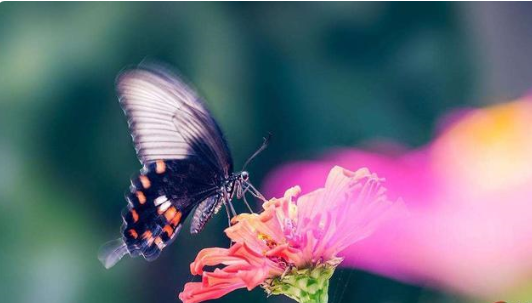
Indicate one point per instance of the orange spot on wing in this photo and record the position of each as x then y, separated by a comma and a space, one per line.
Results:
173, 216
176, 219
159, 242
169, 230
160, 166
148, 236
145, 181
133, 233
134, 215
141, 197
170, 213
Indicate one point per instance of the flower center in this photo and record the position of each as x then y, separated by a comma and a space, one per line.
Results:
267, 240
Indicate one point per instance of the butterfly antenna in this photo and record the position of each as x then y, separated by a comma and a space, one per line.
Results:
265, 144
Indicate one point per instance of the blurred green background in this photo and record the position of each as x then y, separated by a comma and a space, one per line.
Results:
317, 75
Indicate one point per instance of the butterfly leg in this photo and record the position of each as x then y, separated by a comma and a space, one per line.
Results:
227, 202
246, 202
228, 214
228, 205
228, 219
254, 192
242, 194
233, 211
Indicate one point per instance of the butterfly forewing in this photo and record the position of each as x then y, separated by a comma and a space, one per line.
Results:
166, 118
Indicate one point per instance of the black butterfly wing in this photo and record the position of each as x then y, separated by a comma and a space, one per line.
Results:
168, 120
160, 199
185, 160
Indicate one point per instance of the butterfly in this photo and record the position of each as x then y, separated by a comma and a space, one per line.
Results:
187, 164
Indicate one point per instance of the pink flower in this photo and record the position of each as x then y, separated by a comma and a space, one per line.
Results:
294, 234
469, 197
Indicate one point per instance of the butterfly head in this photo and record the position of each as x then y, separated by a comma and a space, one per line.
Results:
244, 176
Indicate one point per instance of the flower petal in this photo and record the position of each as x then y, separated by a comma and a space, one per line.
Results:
244, 268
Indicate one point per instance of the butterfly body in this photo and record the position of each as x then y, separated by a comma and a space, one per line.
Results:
187, 165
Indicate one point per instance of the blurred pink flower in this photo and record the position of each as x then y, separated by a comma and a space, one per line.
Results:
292, 235
469, 196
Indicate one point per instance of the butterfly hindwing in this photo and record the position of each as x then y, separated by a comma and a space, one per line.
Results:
160, 199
